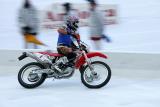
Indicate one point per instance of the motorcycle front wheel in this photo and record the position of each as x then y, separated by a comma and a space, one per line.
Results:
98, 79
27, 76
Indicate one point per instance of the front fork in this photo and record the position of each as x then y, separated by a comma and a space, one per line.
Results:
93, 76
89, 64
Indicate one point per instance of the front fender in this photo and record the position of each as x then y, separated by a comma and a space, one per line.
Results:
82, 61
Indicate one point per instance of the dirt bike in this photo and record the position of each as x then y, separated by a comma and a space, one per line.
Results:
94, 74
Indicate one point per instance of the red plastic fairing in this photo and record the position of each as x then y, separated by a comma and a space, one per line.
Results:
81, 60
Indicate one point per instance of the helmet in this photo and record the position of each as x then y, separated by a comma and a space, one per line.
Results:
72, 22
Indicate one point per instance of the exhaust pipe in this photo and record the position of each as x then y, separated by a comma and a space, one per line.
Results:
22, 56
33, 56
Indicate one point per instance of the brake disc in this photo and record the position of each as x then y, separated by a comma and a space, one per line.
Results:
33, 77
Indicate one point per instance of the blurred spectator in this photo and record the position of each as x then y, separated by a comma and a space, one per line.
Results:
29, 24
69, 11
67, 8
96, 25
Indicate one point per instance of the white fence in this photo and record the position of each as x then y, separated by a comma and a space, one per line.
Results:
129, 65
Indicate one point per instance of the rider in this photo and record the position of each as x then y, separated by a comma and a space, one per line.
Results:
64, 44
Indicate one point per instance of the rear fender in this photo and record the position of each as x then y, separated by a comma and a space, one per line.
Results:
82, 61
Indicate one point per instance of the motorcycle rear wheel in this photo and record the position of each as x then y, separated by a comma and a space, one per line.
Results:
31, 83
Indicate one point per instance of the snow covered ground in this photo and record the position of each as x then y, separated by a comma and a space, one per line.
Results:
138, 28
120, 92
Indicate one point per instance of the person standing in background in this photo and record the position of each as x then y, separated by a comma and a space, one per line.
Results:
69, 11
96, 23
29, 24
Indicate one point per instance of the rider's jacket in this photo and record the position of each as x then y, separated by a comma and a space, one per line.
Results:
65, 37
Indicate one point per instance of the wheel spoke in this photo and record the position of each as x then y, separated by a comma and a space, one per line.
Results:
98, 77
28, 76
